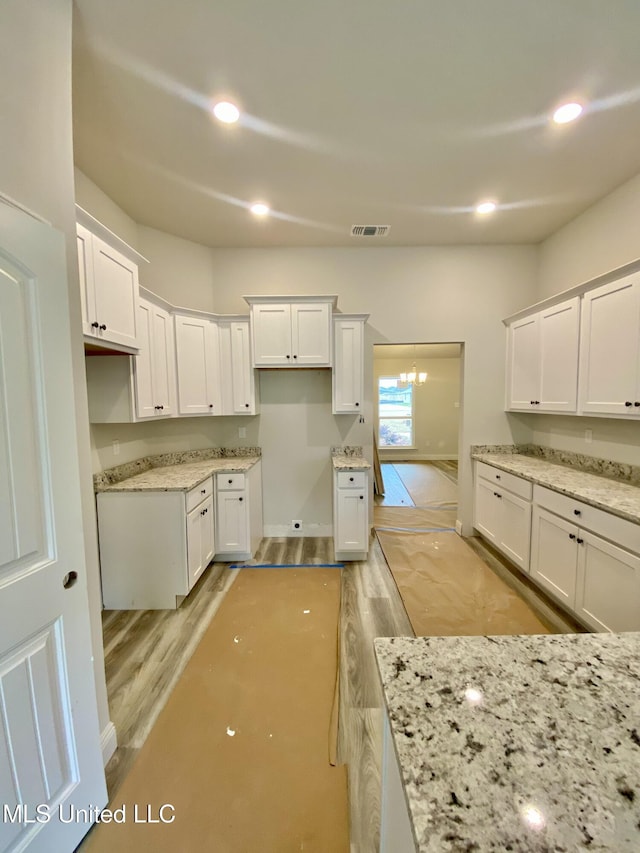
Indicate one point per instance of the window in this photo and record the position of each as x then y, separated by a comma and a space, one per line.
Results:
395, 412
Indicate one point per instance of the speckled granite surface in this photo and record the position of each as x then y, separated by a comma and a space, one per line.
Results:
348, 459
617, 497
175, 471
517, 743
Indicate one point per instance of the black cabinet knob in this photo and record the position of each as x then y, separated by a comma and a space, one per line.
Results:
572, 536
577, 512
240, 499
361, 497
288, 356
295, 356
231, 481
628, 403
103, 327
637, 403
357, 404
95, 325
203, 491
211, 405
497, 476
579, 541
497, 494
351, 479
247, 405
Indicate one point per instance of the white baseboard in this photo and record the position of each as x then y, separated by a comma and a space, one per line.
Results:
279, 531
398, 456
458, 527
108, 742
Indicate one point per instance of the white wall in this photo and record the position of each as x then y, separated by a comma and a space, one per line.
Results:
36, 169
436, 417
603, 238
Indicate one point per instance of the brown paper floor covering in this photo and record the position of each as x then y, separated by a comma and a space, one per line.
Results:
241, 749
448, 590
426, 484
414, 518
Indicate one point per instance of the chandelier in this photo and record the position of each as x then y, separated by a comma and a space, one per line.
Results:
413, 377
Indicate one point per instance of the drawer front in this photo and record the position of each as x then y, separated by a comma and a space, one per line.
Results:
199, 494
619, 530
352, 479
231, 482
517, 485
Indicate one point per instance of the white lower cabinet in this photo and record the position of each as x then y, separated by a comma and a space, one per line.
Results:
598, 579
238, 514
351, 515
154, 545
502, 512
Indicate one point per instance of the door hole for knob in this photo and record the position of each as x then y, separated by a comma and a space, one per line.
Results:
69, 579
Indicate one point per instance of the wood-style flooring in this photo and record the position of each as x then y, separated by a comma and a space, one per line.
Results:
146, 651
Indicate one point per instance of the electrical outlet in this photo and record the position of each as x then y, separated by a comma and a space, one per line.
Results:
242, 432
115, 445
588, 435
296, 525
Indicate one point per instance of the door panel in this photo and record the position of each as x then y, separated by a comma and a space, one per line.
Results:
559, 334
116, 288
271, 334
143, 363
311, 333
50, 751
554, 556
524, 363
608, 596
515, 528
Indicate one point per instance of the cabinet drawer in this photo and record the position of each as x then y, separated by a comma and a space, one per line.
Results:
199, 493
619, 530
352, 479
230, 482
517, 485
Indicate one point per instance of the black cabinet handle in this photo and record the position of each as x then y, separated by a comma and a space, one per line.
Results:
203, 491
497, 495
95, 325
497, 476
247, 405
357, 404
572, 536
577, 512
637, 403
103, 327
361, 497
161, 408
231, 481
351, 479
156, 408
295, 356
240, 499
628, 403
288, 356
211, 405
579, 541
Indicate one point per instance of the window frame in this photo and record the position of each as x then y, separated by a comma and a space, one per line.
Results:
381, 446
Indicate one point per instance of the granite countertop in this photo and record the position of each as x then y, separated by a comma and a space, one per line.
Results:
617, 497
180, 477
349, 459
522, 743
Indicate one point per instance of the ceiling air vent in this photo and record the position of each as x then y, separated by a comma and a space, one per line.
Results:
369, 230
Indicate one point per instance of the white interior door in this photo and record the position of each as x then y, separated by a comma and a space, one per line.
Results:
50, 753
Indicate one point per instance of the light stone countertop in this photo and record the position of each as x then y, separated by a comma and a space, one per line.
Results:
522, 743
350, 463
619, 498
181, 477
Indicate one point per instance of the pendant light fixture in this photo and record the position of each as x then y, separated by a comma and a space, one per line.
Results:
413, 377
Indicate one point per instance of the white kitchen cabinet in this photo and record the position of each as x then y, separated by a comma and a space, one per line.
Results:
108, 270
154, 545
198, 365
542, 359
351, 515
239, 523
589, 560
238, 381
291, 332
610, 349
348, 363
154, 367
502, 512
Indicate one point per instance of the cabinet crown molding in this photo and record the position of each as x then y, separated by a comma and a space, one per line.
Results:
96, 227
265, 299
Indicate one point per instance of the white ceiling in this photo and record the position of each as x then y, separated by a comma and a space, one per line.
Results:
356, 112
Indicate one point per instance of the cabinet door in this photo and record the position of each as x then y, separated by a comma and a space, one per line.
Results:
559, 339
87, 291
311, 333
143, 363
523, 364
116, 294
197, 366
271, 334
207, 541
163, 353
554, 556
195, 530
610, 348
242, 375
486, 509
351, 519
232, 528
514, 527
348, 369
608, 589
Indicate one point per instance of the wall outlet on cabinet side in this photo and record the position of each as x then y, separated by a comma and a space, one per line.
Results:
588, 436
115, 445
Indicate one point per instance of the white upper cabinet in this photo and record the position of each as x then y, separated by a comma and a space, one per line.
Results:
542, 359
236, 368
610, 349
198, 366
348, 363
154, 366
290, 332
108, 285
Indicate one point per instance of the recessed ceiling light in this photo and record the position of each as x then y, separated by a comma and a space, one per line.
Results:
486, 207
259, 209
567, 113
226, 112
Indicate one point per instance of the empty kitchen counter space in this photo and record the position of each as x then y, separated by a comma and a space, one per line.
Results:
511, 743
